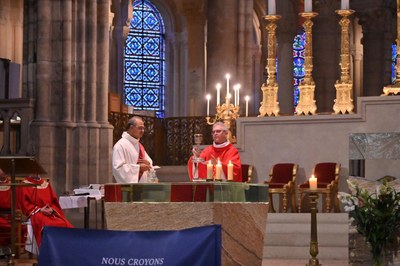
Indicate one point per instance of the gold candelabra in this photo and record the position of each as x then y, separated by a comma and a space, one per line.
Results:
270, 104
395, 88
226, 112
344, 86
307, 103
313, 261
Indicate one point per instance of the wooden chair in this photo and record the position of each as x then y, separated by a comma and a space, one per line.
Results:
282, 181
327, 175
247, 173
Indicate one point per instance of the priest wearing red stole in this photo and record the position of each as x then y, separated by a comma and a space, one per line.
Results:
39, 203
130, 161
220, 154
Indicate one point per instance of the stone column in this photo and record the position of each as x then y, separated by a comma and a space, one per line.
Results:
80, 43
66, 60
247, 80
377, 40
102, 63
91, 65
286, 30
193, 11
44, 67
222, 49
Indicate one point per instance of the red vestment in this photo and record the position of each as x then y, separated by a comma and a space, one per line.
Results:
32, 198
5, 216
224, 154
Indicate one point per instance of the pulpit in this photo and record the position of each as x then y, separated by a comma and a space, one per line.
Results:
241, 209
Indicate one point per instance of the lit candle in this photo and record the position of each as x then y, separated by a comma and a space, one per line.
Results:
271, 7
313, 183
230, 171
227, 76
238, 99
209, 170
218, 170
345, 4
208, 104
247, 98
235, 92
218, 92
307, 6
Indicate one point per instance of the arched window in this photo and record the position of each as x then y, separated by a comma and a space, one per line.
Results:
144, 56
299, 45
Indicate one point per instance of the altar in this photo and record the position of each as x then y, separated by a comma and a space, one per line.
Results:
240, 208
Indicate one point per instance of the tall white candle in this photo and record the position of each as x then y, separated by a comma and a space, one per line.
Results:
218, 170
307, 6
230, 171
271, 7
345, 4
208, 104
227, 76
235, 92
247, 98
238, 98
209, 170
218, 92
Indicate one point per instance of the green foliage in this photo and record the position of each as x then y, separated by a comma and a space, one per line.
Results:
376, 215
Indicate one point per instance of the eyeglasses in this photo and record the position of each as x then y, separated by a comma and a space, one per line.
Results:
217, 131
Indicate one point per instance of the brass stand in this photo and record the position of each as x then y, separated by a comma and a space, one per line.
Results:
306, 103
344, 87
314, 234
395, 88
270, 104
226, 112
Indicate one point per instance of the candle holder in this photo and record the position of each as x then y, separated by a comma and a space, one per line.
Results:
226, 112
395, 88
307, 103
270, 104
344, 86
313, 261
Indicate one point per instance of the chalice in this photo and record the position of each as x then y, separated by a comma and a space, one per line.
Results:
198, 139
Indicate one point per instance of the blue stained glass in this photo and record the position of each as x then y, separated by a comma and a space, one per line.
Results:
394, 62
299, 45
145, 59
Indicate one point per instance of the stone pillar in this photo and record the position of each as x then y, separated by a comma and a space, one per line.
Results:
376, 40
80, 43
193, 11
286, 31
326, 51
44, 67
247, 78
91, 65
102, 60
222, 50
66, 60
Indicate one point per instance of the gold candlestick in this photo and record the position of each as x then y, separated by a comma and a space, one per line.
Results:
306, 103
226, 112
313, 261
270, 104
344, 86
395, 88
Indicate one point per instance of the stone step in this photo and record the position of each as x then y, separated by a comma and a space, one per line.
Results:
288, 236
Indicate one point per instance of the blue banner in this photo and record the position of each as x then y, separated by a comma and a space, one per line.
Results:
73, 246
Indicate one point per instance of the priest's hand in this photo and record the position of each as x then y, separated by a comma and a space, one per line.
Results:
196, 152
47, 210
144, 165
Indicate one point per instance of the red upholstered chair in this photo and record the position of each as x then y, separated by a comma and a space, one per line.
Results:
282, 181
247, 173
327, 175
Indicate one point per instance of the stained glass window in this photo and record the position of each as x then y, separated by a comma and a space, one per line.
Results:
394, 59
299, 45
144, 79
